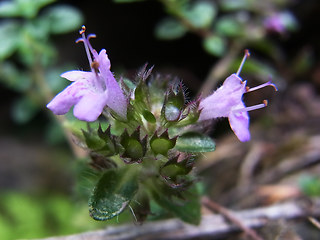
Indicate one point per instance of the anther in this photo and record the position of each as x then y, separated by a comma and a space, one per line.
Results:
82, 30
95, 66
265, 102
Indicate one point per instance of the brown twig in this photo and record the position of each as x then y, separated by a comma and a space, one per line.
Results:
212, 226
215, 207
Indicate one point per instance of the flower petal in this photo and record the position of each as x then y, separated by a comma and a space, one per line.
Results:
62, 103
239, 123
116, 99
220, 102
77, 75
90, 106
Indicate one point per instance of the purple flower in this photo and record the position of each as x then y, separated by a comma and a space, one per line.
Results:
226, 101
91, 91
280, 22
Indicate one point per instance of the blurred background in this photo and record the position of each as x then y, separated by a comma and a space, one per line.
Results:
42, 182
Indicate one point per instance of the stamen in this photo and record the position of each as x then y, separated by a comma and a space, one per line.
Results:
262, 86
85, 42
246, 54
251, 108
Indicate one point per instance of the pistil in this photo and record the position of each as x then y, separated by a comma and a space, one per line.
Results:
246, 54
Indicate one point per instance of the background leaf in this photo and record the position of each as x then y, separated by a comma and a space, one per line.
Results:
24, 109
169, 29
214, 45
201, 14
10, 38
63, 19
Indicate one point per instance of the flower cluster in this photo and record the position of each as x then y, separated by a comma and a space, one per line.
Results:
152, 138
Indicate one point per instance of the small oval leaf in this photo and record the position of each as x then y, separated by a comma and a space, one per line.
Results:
112, 194
169, 29
195, 142
214, 45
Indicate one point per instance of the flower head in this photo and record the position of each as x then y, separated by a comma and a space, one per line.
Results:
226, 101
91, 91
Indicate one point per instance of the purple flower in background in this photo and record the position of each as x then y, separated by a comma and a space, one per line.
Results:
90, 91
226, 101
280, 22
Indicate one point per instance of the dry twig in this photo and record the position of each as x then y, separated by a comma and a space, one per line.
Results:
211, 226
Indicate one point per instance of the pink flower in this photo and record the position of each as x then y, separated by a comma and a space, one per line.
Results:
226, 101
280, 22
91, 91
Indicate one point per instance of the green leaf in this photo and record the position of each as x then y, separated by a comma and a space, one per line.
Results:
22, 8
195, 142
9, 9
310, 185
13, 77
149, 116
169, 29
229, 26
24, 109
10, 38
231, 5
30, 8
63, 19
201, 14
187, 209
214, 45
113, 193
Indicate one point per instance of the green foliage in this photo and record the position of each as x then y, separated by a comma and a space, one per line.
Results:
195, 142
62, 19
113, 193
27, 216
10, 40
24, 109
200, 14
214, 45
187, 207
169, 29
22, 8
229, 26
145, 158
310, 185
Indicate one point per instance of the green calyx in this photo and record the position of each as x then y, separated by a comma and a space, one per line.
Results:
102, 142
134, 147
162, 144
147, 159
